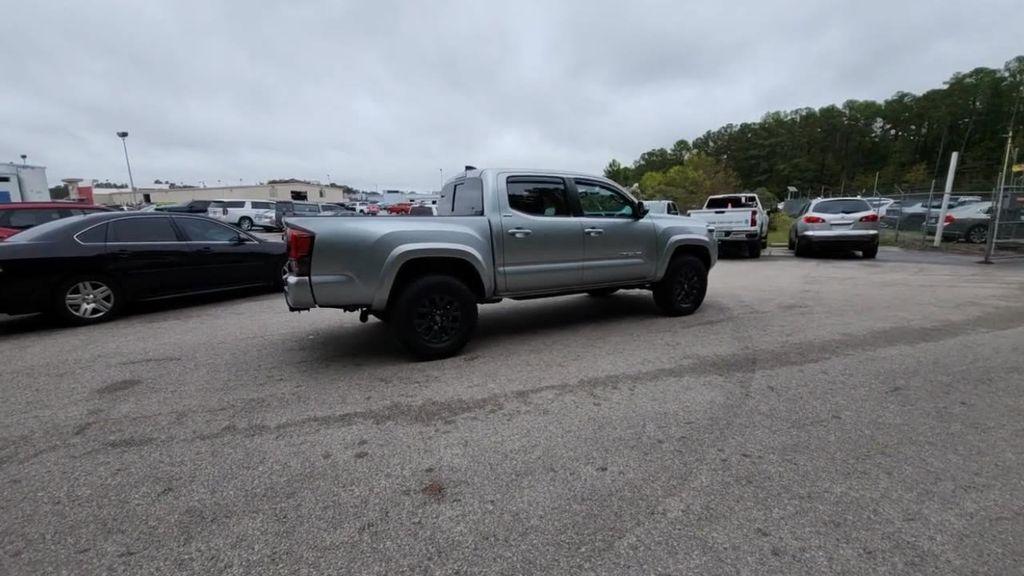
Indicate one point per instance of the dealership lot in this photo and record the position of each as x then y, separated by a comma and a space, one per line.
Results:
815, 416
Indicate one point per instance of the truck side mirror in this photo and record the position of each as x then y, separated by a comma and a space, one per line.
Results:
639, 211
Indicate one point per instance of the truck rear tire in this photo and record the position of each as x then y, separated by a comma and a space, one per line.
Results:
433, 317
754, 249
681, 291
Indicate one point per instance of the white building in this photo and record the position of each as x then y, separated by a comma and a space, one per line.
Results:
289, 190
23, 183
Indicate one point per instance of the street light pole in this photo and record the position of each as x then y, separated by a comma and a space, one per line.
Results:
24, 158
131, 182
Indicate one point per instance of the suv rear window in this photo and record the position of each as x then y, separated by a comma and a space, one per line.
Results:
726, 202
235, 204
840, 207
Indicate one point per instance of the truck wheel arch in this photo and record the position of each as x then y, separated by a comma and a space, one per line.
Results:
418, 266
698, 250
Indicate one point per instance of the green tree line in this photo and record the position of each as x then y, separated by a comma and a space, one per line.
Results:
906, 140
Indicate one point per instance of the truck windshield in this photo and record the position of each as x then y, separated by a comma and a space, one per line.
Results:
726, 202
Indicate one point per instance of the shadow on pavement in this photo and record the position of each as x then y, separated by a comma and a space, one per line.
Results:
25, 324
360, 345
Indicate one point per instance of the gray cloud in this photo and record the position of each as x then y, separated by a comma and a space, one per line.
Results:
387, 93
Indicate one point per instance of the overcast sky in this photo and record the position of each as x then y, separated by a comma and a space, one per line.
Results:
389, 93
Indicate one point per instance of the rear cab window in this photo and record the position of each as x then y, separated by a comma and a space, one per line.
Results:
727, 202
851, 206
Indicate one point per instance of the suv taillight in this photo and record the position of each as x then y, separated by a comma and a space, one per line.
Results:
813, 220
753, 218
870, 218
949, 219
300, 251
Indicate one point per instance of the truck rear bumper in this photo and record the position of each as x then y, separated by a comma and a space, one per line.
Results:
736, 235
298, 292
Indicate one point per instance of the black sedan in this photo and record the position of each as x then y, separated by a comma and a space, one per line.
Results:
85, 269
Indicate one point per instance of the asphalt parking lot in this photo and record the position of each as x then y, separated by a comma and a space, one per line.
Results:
818, 416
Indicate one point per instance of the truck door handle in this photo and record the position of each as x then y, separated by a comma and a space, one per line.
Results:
593, 231
520, 232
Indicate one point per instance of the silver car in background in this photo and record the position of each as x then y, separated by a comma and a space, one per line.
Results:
835, 223
969, 222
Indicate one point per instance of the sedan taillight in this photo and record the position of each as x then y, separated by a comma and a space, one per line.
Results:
870, 218
300, 251
949, 219
813, 220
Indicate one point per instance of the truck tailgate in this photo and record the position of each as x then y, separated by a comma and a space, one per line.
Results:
725, 218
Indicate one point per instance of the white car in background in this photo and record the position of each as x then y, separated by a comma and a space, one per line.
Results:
661, 207
241, 213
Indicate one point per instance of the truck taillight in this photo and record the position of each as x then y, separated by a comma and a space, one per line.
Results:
813, 220
870, 218
753, 218
949, 219
300, 251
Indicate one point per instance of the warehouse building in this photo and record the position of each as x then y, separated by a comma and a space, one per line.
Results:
23, 183
285, 190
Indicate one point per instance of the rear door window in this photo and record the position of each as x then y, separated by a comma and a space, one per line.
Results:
262, 205
132, 230
841, 207
538, 196
235, 204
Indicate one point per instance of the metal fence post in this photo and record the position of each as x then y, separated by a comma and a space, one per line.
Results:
997, 205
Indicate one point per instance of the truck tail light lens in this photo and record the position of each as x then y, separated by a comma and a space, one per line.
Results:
813, 220
300, 251
753, 218
949, 219
870, 218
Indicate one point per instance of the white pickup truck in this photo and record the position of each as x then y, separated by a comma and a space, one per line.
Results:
736, 218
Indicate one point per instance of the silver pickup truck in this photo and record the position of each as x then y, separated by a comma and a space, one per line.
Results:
498, 234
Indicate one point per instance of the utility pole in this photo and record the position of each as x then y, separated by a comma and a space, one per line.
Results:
131, 182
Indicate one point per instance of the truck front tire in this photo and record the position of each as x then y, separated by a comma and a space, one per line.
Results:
681, 291
433, 317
